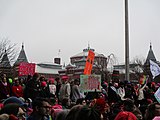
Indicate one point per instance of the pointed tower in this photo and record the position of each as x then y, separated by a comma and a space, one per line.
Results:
152, 57
22, 57
5, 65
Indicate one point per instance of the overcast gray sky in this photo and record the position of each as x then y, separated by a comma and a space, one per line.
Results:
45, 26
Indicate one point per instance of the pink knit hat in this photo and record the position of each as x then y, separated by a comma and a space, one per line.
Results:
125, 115
65, 77
43, 84
156, 118
51, 80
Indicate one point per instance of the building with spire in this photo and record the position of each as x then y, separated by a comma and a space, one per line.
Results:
152, 57
22, 57
77, 64
146, 68
5, 66
47, 69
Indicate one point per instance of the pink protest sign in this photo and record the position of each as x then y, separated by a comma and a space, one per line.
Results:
26, 69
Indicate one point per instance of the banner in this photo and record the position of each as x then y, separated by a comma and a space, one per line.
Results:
26, 69
90, 83
154, 68
89, 63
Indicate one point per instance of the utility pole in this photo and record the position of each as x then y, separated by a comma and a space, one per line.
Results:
126, 43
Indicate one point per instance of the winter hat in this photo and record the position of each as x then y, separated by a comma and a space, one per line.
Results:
125, 115
65, 77
149, 101
14, 100
43, 84
13, 117
156, 118
100, 104
57, 106
51, 80
1, 106
10, 109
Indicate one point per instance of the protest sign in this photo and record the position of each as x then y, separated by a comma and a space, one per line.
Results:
157, 95
90, 83
26, 69
89, 63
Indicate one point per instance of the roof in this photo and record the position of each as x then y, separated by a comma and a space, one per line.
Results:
22, 57
70, 66
50, 65
150, 56
48, 68
85, 53
5, 61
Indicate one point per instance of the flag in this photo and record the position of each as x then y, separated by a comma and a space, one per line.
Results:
143, 79
154, 68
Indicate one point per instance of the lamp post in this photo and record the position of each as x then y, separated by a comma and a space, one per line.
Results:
126, 43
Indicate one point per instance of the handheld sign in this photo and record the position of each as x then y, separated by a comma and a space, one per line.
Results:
157, 95
90, 83
26, 69
89, 63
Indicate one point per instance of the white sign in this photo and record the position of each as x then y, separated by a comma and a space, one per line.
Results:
155, 69
157, 95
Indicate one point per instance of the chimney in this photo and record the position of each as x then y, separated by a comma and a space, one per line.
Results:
57, 60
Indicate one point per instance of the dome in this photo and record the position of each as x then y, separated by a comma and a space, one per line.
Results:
85, 53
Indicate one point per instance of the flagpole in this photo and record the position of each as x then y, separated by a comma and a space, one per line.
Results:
126, 43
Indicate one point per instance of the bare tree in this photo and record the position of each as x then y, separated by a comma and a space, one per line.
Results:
138, 63
6, 45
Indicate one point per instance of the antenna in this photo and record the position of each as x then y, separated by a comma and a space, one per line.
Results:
22, 45
59, 52
150, 45
88, 46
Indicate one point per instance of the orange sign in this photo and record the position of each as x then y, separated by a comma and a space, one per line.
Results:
89, 63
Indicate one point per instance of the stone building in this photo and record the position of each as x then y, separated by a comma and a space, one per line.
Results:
77, 64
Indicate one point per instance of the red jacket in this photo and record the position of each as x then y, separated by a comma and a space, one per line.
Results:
17, 91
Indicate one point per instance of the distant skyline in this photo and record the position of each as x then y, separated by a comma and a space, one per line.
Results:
51, 28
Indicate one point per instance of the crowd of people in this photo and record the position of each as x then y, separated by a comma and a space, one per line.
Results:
38, 98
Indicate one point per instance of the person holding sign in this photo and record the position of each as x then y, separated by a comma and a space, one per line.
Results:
141, 86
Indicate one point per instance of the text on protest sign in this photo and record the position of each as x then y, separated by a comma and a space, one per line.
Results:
26, 69
90, 83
